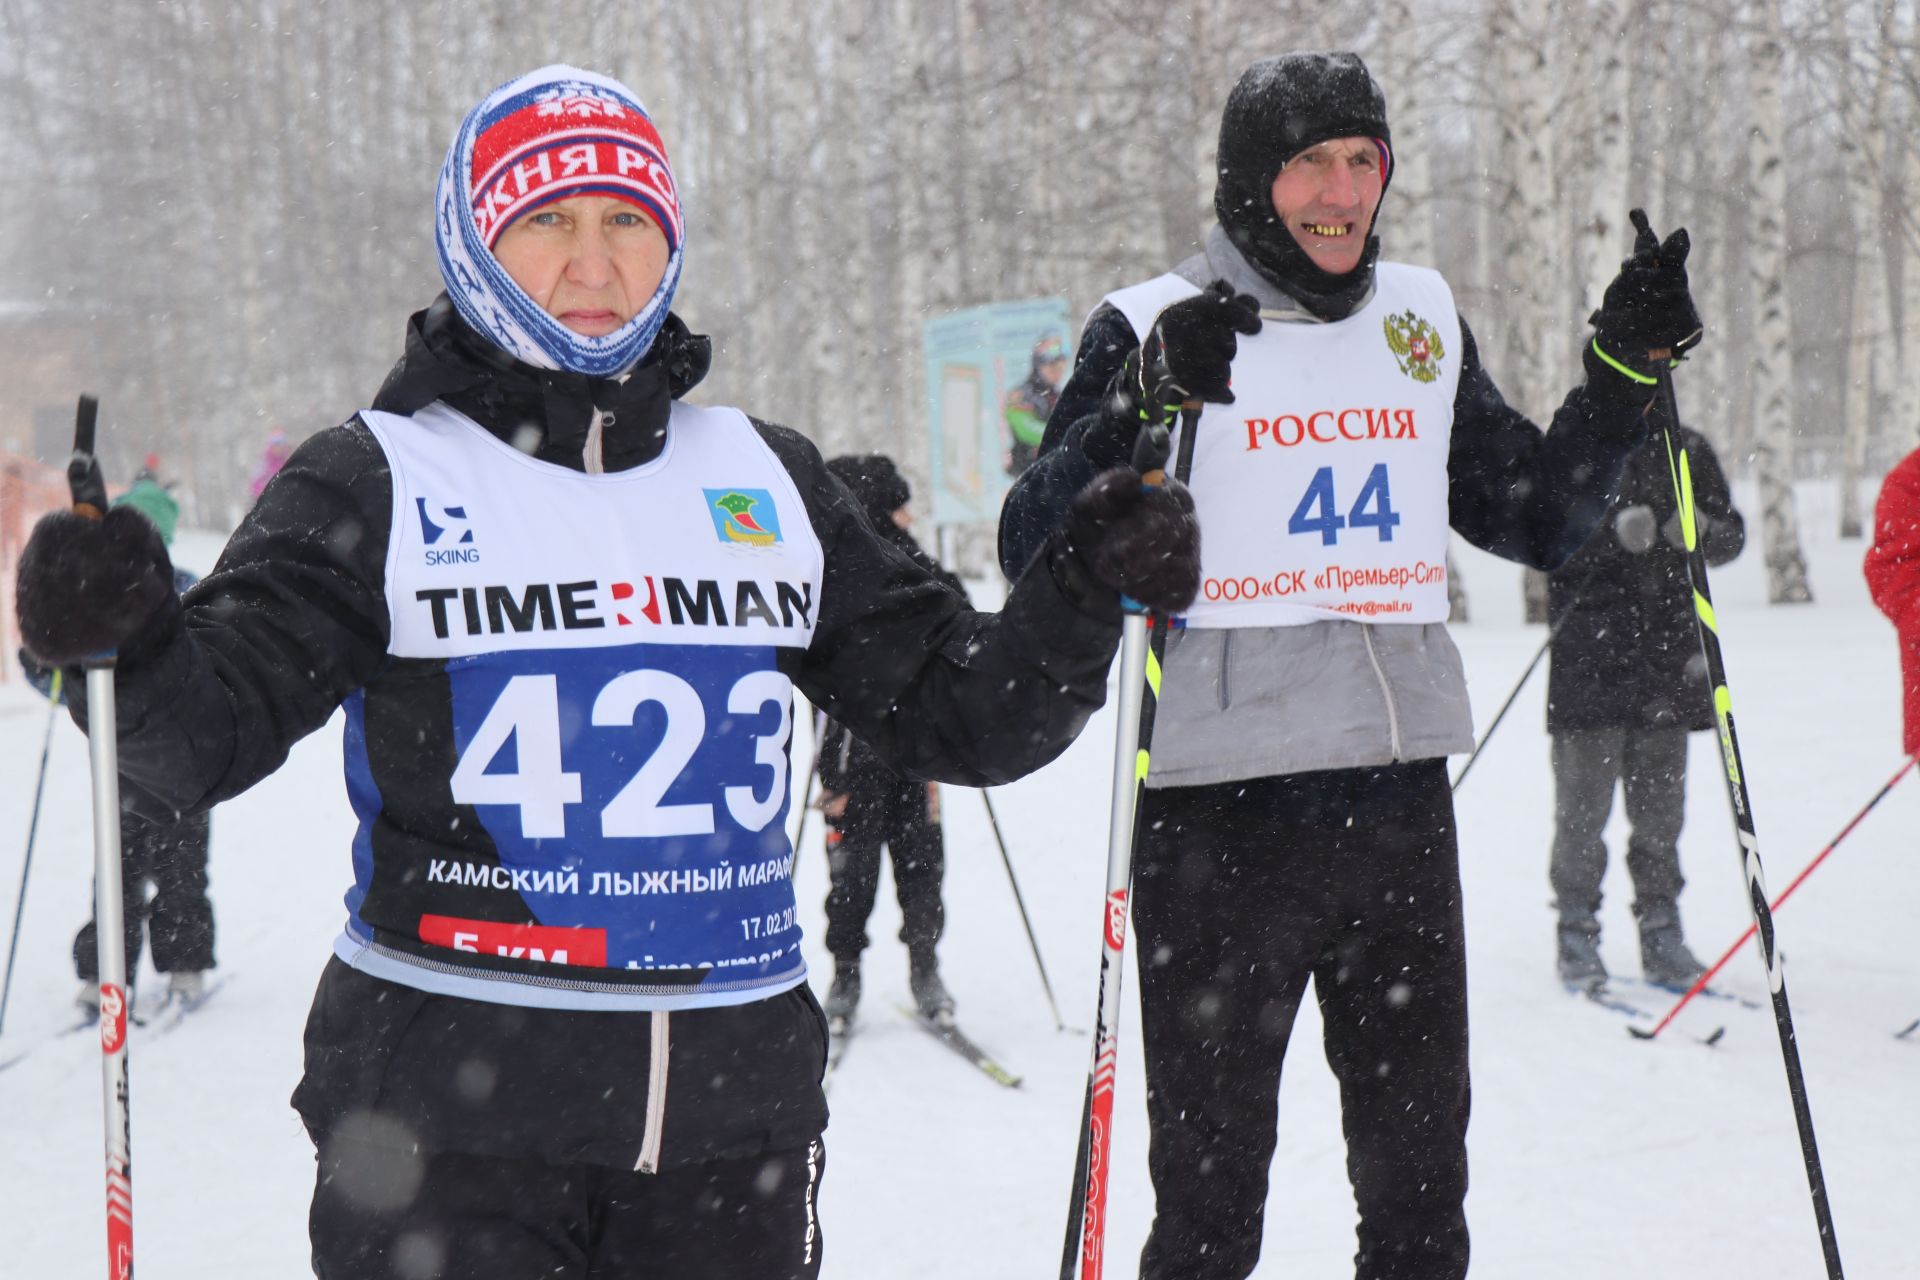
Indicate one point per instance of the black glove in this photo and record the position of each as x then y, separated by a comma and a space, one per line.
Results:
84, 587
1142, 541
1187, 355
1634, 527
1647, 307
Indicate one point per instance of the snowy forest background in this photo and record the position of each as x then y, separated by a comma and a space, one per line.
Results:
225, 207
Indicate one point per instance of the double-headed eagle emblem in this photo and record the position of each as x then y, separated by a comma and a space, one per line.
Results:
1415, 345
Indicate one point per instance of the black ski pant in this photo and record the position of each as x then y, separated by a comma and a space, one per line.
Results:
172, 858
1242, 892
390, 1211
1650, 767
891, 811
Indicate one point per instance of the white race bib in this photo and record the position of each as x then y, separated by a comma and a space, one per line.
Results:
1322, 490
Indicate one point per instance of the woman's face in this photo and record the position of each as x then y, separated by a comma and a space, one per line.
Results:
590, 262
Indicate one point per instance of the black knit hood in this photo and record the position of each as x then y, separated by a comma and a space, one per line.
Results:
1279, 108
876, 482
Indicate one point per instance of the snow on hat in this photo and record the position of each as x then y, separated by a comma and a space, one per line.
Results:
1279, 107
552, 133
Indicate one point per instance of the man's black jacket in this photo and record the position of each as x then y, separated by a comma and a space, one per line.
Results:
1626, 653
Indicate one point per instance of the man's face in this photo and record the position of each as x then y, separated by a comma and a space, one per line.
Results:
1327, 195
590, 262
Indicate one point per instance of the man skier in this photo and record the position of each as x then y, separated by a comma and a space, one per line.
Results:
1626, 685
566, 1030
1298, 822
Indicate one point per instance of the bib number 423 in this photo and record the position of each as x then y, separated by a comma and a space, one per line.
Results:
1372, 508
527, 712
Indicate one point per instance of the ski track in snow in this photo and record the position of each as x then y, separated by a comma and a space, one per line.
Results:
1594, 1155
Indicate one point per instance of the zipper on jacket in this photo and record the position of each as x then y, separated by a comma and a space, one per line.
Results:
593, 453
649, 1161
1226, 661
1386, 690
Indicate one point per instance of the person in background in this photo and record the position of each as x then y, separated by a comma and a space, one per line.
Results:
1028, 406
167, 856
868, 806
274, 456
1626, 686
1893, 579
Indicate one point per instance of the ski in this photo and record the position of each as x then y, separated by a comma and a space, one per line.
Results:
952, 1037
1599, 994
64, 1033
839, 1033
1705, 993
1911, 1028
175, 1010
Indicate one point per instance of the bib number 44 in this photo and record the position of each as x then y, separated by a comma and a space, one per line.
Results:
1372, 508
527, 713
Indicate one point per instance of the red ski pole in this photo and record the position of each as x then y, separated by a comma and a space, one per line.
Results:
90, 500
1700, 983
1142, 645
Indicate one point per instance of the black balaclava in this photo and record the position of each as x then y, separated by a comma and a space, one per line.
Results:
1280, 107
875, 481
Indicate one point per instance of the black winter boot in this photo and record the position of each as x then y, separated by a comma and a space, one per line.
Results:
930, 995
1665, 960
1579, 955
843, 997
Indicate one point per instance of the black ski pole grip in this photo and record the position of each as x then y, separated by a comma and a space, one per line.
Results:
84, 481
1153, 448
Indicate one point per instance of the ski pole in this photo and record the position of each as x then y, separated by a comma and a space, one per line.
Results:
1140, 654
1700, 983
33, 829
806, 792
90, 500
1573, 604
1501, 714
1006, 859
1706, 623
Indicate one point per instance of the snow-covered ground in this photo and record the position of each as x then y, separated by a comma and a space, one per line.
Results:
1594, 1155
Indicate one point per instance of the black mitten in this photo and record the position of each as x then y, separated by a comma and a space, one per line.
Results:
84, 587
1143, 541
1647, 308
1187, 355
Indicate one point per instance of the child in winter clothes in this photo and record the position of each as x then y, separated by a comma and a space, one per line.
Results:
868, 805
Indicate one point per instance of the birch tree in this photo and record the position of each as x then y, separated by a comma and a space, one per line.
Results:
1524, 93
1863, 150
1773, 445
